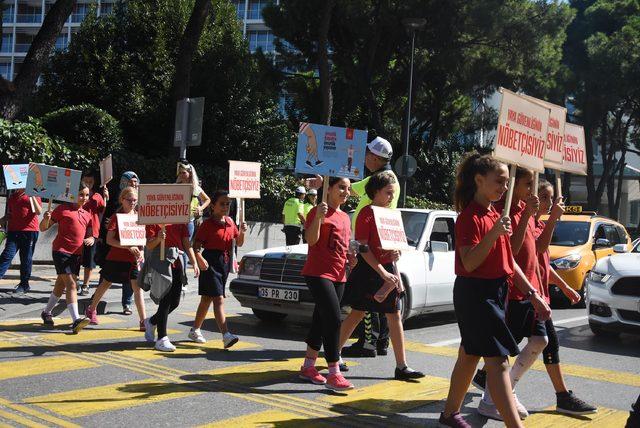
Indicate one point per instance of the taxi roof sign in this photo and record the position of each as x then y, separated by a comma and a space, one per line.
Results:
573, 209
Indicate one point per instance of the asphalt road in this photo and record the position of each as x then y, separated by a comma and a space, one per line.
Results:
108, 376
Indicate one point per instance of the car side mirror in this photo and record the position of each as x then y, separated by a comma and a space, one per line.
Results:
602, 243
437, 247
620, 248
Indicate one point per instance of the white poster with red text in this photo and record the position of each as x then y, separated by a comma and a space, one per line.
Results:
164, 203
129, 231
390, 228
244, 180
554, 152
522, 132
575, 150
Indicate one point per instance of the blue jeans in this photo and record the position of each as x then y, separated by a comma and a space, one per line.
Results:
127, 293
25, 244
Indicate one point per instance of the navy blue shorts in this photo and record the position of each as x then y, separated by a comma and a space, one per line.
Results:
212, 282
88, 255
66, 263
119, 272
522, 320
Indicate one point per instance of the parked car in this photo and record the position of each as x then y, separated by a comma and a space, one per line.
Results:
269, 281
613, 293
578, 242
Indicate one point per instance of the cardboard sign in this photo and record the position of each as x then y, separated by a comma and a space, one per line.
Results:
390, 229
15, 176
164, 203
522, 132
575, 151
106, 170
130, 232
244, 180
52, 182
331, 151
554, 152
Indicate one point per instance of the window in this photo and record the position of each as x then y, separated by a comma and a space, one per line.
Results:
106, 8
414, 223
7, 43
29, 14
622, 234
80, 11
255, 8
7, 15
240, 8
570, 233
62, 42
5, 70
260, 39
443, 231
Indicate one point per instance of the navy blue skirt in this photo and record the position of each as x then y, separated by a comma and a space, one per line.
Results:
479, 306
212, 282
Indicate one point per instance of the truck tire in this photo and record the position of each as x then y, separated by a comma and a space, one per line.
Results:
269, 316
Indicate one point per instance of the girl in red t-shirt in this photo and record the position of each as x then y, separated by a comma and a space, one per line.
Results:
374, 269
483, 264
73, 222
95, 206
327, 231
122, 262
215, 236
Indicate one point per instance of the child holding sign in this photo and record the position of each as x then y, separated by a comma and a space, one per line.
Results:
327, 231
95, 206
122, 262
73, 222
373, 270
216, 235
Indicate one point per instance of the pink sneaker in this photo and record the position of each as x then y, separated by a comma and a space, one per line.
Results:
92, 315
312, 375
337, 382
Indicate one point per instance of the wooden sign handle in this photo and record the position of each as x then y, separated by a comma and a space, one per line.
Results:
163, 229
536, 182
49, 210
558, 185
325, 188
31, 204
241, 211
509, 198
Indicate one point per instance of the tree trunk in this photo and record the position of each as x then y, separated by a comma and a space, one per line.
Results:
13, 94
324, 69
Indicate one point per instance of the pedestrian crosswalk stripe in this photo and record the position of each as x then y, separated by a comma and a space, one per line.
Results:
209, 316
185, 348
42, 365
6, 344
247, 374
25, 410
93, 334
394, 396
549, 418
35, 324
443, 351
266, 419
89, 401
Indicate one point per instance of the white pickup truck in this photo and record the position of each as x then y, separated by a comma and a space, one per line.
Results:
269, 281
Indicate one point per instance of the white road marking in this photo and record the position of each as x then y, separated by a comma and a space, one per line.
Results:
445, 342
570, 320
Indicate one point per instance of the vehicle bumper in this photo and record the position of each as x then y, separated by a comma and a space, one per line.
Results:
573, 277
246, 292
610, 311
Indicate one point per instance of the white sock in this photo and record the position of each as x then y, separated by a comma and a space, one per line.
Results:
53, 301
526, 358
73, 311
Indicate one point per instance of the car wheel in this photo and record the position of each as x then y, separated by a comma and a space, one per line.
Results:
403, 304
599, 331
269, 316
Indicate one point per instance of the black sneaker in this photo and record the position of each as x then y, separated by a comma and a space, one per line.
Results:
480, 380
21, 289
572, 405
382, 347
79, 324
84, 291
407, 373
47, 319
343, 367
357, 350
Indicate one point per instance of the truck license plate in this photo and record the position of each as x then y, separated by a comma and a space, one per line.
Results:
278, 294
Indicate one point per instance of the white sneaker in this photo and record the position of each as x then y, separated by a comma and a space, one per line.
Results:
165, 345
196, 336
488, 410
149, 331
229, 340
522, 411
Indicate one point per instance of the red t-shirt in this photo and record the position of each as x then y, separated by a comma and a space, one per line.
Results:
527, 257
72, 227
21, 218
473, 223
95, 206
175, 233
367, 233
217, 236
118, 254
544, 262
327, 258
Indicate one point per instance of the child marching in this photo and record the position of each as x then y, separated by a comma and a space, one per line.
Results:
95, 206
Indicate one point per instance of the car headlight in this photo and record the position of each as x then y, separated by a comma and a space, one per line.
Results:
568, 262
598, 277
250, 267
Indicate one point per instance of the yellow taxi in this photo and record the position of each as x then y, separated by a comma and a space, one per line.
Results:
579, 240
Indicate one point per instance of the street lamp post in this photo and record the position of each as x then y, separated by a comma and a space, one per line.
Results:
411, 24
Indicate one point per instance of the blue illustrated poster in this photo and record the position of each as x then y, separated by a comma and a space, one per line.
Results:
330, 150
52, 182
15, 176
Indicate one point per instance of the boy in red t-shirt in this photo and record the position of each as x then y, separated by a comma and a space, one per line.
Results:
22, 235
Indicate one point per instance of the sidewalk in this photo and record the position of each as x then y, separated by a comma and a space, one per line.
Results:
42, 279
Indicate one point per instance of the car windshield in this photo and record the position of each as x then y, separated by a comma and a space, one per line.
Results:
414, 223
570, 233
636, 248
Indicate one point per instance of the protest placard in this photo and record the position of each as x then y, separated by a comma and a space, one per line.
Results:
555, 133
244, 180
106, 170
164, 203
53, 183
330, 151
129, 231
390, 228
15, 176
522, 132
575, 152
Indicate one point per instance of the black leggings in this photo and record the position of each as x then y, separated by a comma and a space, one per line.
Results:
550, 354
168, 303
325, 326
